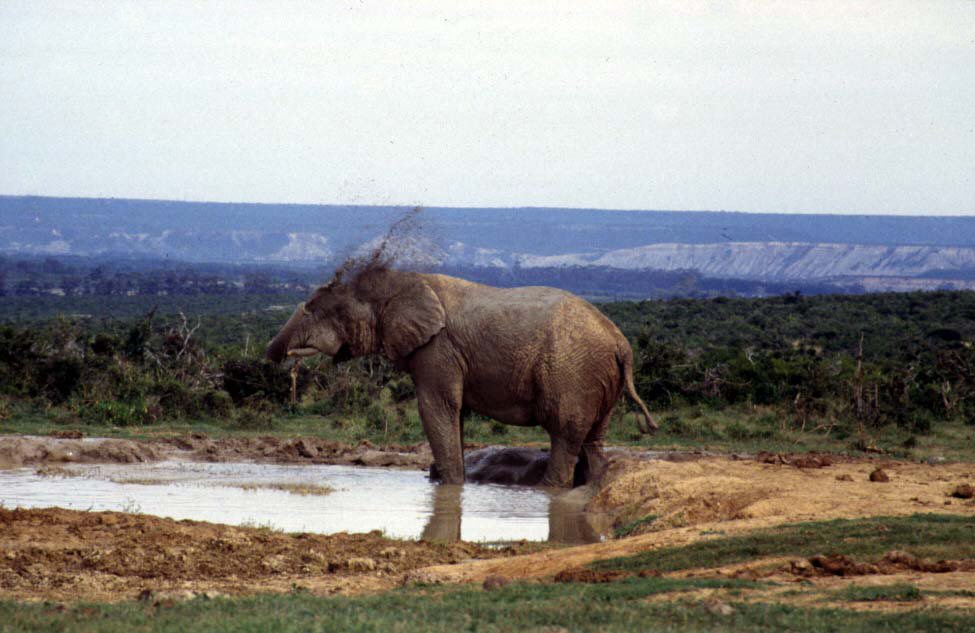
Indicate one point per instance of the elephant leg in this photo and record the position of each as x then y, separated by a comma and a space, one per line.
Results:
561, 462
440, 412
592, 460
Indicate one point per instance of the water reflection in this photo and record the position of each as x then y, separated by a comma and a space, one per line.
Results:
403, 504
567, 521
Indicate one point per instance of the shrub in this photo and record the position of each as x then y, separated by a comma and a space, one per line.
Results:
58, 377
105, 344
116, 413
244, 379
251, 420
218, 404
401, 389
176, 399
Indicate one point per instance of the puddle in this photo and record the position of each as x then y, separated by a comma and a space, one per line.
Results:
402, 504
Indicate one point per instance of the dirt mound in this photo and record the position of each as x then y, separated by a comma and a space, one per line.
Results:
798, 460
309, 450
581, 574
17, 451
65, 554
719, 489
694, 500
23, 451
893, 562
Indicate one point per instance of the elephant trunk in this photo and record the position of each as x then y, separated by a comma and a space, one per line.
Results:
277, 349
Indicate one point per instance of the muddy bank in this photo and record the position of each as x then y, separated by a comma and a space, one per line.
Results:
19, 451
484, 464
68, 555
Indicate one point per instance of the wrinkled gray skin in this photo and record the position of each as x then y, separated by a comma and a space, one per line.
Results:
522, 356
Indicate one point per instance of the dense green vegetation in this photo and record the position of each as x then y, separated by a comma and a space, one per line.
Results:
835, 372
616, 606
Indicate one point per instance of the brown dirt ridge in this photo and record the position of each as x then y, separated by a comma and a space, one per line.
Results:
19, 451
55, 554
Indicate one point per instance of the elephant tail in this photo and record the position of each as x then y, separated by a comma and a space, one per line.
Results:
625, 358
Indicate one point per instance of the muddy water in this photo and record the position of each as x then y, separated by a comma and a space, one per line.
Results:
402, 504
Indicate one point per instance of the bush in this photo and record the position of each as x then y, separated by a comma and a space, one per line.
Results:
105, 344
244, 379
218, 404
377, 418
251, 420
58, 377
177, 400
401, 389
116, 413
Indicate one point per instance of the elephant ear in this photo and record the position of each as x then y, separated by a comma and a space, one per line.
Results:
410, 319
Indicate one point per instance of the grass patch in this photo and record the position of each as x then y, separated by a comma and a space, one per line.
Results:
611, 607
295, 488
931, 536
883, 593
735, 429
630, 528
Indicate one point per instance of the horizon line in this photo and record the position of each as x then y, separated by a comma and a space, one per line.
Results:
959, 214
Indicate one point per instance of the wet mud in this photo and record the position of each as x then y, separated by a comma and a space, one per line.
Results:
56, 554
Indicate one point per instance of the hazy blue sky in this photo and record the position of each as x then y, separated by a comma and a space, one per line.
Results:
848, 107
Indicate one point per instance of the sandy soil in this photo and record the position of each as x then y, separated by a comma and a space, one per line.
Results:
55, 554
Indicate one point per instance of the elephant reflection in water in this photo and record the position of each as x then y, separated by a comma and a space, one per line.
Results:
567, 522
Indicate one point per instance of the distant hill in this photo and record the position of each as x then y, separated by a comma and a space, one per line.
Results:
901, 252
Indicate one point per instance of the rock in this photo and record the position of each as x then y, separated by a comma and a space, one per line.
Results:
421, 577
305, 449
963, 491
801, 568
494, 581
879, 476
716, 607
360, 564
170, 597
934, 460
392, 552
274, 564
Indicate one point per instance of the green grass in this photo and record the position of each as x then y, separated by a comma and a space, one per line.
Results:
930, 536
739, 429
629, 528
882, 593
618, 606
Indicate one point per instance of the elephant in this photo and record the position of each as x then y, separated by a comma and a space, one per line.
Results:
523, 356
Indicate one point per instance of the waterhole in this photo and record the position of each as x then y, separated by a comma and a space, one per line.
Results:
319, 499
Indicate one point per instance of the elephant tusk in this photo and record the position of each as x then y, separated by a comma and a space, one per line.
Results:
303, 351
